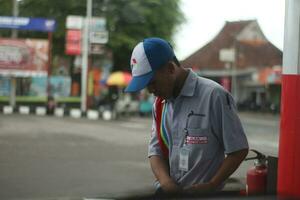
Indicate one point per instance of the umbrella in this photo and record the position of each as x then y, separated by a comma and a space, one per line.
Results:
118, 78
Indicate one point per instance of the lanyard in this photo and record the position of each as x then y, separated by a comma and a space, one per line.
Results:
163, 130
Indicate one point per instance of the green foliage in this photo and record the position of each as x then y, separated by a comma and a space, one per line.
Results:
128, 21
131, 21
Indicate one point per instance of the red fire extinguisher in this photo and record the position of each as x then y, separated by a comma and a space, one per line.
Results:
256, 182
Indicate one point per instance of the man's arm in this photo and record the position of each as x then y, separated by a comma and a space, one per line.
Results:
161, 171
229, 165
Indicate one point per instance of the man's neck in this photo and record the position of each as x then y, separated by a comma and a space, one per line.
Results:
182, 75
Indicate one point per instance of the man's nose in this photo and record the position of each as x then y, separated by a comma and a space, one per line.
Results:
150, 88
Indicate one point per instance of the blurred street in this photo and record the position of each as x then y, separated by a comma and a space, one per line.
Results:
63, 157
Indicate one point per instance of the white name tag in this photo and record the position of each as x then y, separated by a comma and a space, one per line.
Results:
184, 159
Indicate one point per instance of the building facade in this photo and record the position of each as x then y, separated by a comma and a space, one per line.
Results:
236, 58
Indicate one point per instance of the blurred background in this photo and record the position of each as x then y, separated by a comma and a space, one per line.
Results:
233, 43
68, 129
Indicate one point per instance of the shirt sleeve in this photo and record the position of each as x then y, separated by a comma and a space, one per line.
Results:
226, 123
154, 147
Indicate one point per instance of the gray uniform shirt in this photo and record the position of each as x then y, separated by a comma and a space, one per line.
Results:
204, 114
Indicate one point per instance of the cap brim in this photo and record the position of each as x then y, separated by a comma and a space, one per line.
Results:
138, 83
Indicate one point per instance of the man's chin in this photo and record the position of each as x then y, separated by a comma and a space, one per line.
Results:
162, 97
159, 96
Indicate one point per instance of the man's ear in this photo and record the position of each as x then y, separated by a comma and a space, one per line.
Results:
171, 67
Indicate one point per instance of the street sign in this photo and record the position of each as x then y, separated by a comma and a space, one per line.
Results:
97, 24
96, 49
99, 37
227, 55
28, 23
73, 42
98, 32
77, 22
74, 22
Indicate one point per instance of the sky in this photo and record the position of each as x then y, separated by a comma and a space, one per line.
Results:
205, 19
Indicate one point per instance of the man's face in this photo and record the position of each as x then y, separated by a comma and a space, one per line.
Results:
162, 83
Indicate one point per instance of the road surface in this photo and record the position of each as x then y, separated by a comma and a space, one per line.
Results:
42, 157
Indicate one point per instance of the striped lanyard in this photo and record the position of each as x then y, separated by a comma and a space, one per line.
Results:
163, 130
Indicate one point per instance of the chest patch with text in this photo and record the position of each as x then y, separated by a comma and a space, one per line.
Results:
196, 139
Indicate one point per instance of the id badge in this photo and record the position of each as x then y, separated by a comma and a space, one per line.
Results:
184, 159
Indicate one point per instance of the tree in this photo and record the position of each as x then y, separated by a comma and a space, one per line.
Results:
131, 21
55, 9
128, 21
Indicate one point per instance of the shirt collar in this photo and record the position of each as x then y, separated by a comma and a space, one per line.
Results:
189, 85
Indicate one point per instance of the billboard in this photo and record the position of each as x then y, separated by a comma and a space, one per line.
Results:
28, 23
23, 57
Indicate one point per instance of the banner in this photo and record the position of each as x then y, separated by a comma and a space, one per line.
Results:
226, 83
27, 23
23, 57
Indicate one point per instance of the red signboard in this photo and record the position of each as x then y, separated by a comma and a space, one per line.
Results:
73, 42
226, 83
23, 57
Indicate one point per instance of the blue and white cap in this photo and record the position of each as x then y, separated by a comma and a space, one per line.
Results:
148, 56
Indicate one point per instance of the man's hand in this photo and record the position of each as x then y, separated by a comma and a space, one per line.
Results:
170, 187
203, 188
160, 169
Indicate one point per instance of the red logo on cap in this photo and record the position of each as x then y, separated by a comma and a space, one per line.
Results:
133, 62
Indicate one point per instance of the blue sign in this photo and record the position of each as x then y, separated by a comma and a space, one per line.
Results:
28, 23
60, 86
4, 86
38, 86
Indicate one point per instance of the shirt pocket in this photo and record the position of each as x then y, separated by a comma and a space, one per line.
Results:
196, 121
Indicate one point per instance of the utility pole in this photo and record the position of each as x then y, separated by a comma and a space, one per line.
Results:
234, 80
228, 56
15, 11
14, 34
85, 55
289, 151
234, 71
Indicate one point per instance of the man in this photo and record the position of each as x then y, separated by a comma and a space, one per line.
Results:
194, 122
